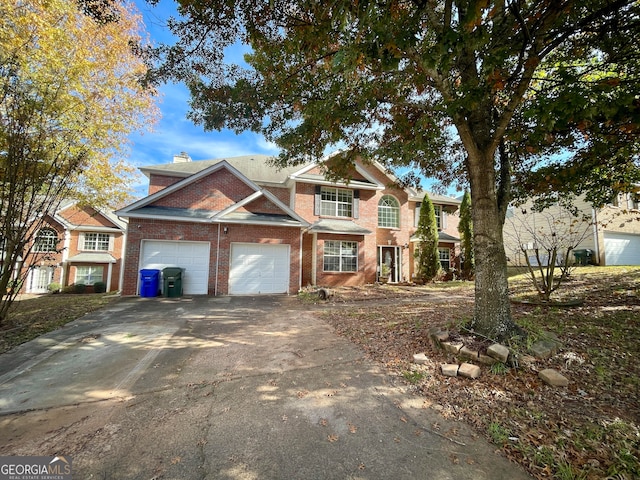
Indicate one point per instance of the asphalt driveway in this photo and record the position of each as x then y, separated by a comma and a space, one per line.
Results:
224, 388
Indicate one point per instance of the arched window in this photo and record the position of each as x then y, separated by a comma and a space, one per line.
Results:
388, 212
46, 240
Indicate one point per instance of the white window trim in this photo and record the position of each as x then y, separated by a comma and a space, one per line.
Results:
341, 242
396, 208
83, 246
93, 269
336, 203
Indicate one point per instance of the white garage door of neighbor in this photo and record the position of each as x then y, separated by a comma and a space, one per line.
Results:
621, 248
258, 269
191, 256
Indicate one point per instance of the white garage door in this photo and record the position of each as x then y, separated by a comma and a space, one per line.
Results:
621, 248
193, 257
258, 268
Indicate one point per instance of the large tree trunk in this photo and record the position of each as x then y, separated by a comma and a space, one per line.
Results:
492, 315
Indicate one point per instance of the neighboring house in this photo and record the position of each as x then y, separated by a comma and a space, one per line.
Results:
76, 244
610, 234
242, 226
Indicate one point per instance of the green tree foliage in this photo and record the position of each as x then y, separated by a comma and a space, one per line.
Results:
465, 228
70, 94
427, 254
464, 91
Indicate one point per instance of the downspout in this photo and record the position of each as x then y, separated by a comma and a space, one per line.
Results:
300, 261
122, 255
215, 287
314, 260
65, 256
596, 240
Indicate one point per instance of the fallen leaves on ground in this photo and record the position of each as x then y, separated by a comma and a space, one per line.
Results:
589, 429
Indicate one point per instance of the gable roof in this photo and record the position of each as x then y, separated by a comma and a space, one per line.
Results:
118, 224
144, 208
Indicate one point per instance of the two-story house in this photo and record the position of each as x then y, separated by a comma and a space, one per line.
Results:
241, 226
76, 245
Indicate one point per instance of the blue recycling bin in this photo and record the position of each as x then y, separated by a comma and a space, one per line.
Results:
149, 282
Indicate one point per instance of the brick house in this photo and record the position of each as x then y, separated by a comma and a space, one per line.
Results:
76, 244
241, 226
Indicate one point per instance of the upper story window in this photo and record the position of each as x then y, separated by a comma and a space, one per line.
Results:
438, 210
95, 241
388, 212
441, 216
46, 240
336, 202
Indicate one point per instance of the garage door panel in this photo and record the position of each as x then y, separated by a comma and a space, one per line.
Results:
622, 248
193, 257
259, 269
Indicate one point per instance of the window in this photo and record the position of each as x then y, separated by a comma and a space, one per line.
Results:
388, 212
340, 256
336, 202
46, 240
438, 211
441, 216
445, 258
89, 275
96, 241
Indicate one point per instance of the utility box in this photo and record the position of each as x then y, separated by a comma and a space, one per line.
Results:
149, 282
583, 257
172, 282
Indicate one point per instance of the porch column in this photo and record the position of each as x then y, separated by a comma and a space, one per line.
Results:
109, 272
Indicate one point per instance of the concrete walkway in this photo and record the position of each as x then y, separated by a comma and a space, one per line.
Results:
224, 388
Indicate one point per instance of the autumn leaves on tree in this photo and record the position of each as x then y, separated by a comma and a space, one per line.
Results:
70, 94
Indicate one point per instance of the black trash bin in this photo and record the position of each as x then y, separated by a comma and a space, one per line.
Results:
583, 256
149, 282
172, 281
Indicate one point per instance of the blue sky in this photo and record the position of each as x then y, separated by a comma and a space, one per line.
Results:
174, 133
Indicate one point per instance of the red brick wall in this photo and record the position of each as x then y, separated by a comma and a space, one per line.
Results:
158, 182
214, 192
140, 229
368, 244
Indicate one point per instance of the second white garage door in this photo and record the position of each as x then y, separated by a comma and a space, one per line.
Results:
621, 248
192, 256
259, 269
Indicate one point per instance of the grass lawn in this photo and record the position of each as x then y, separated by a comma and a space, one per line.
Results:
31, 316
588, 430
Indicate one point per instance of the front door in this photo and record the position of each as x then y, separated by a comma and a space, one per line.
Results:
39, 279
389, 263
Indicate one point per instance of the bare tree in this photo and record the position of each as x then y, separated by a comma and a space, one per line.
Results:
545, 240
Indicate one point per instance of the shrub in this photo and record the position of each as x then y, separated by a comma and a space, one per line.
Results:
79, 288
99, 287
54, 287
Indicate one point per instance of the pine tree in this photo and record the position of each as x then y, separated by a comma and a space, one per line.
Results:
427, 232
465, 228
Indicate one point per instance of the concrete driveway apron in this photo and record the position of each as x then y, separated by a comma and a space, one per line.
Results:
224, 388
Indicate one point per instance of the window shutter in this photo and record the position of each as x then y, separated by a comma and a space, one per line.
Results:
81, 241
356, 203
318, 198
416, 221
444, 220
111, 242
